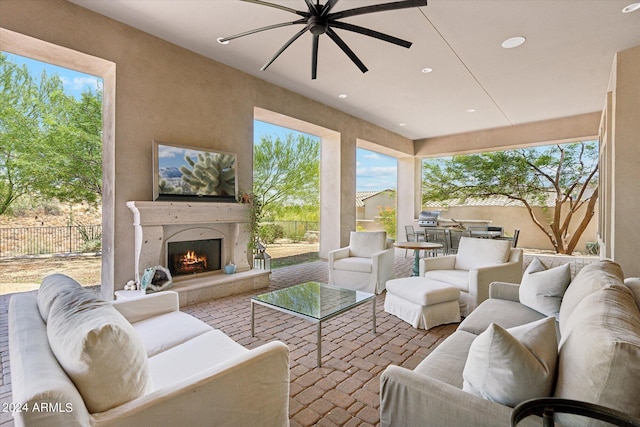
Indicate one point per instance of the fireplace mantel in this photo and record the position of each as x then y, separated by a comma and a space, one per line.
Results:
157, 222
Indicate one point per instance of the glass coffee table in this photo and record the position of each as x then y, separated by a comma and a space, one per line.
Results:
315, 302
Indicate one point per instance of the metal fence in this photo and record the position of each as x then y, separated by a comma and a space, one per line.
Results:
21, 241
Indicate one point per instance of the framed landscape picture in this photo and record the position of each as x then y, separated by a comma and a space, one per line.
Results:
193, 174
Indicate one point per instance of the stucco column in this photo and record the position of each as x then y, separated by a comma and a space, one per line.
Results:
408, 204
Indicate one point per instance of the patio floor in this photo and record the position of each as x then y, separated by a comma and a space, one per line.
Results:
345, 390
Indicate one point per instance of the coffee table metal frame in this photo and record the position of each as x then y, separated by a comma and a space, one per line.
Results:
366, 297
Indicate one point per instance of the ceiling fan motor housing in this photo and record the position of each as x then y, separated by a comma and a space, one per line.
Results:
317, 25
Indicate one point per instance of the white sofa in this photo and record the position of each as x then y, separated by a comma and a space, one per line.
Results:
135, 362
596, 357
477, 263
365, 265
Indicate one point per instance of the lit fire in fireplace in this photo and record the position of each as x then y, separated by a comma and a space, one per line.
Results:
190, 263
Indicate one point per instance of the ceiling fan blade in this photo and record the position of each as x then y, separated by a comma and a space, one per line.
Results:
327, 7
257, 30
313, 9
404, 4
346, 50
277, 6
282, 49
371, 33
314, 57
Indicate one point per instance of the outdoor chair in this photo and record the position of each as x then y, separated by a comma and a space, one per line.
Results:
477, 263
513, 239
455, 234
437, 235
365, 265
412, 236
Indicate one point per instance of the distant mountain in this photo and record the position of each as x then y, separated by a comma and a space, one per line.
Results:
169, 172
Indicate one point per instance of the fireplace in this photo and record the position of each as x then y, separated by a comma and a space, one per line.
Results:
158, 225
194, 256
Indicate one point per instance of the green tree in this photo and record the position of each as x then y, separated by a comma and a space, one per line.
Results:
286, 172
50, 142
565, 173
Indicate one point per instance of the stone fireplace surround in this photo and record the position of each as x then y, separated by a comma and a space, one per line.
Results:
157, 223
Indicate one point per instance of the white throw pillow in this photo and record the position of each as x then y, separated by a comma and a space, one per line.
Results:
509, 366
477, 253
51, 288
98, 349
542, 289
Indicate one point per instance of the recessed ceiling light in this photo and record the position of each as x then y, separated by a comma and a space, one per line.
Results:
427, 70
513, 42
222, 42
342, 96
631, 8
471, 110
402, 124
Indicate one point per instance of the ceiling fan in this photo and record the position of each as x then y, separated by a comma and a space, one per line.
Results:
319, 20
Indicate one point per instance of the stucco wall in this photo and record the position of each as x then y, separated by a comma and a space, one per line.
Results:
164, 92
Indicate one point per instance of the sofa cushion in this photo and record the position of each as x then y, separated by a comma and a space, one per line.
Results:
476, 253
51, 288
600, 350
447, 361
592, 277
514, 365
633, 283
542, 289
457, 278
361, 265
168, 330
192, 357
366, 243
98, 349
502, 312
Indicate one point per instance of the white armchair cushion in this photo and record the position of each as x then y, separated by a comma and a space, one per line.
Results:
476, 253
364, 244
98, 349
457, 278
509, 366
361, 265
542, 289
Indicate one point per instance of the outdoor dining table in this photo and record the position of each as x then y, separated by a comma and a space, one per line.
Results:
417, 247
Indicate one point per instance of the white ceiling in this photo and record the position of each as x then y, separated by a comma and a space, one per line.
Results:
561, 70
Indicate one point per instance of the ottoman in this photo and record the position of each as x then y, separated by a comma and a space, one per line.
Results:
423, 303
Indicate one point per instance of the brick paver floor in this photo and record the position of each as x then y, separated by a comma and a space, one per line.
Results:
345, 390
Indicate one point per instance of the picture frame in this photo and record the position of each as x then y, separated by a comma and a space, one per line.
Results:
187, 173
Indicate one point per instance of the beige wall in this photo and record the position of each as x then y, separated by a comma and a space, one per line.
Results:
167, 93
620, 154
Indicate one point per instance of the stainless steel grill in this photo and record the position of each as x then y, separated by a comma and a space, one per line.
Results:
428, 218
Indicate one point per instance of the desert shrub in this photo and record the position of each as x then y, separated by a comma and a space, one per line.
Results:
270, 232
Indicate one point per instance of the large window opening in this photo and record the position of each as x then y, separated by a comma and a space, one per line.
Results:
286, 184
548, 193
96, 68
50, 173
376, 195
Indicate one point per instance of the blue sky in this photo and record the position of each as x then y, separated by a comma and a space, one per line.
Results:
374, 171
74, 82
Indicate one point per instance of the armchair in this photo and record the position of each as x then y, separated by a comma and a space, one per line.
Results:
365, 265
477, 263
